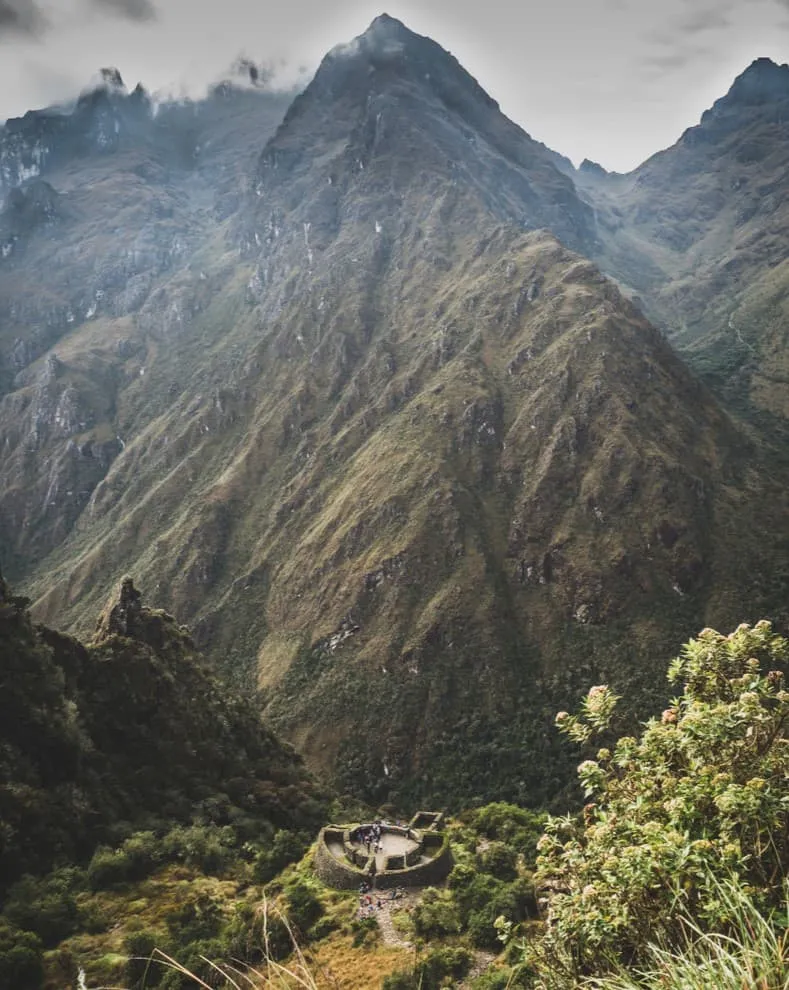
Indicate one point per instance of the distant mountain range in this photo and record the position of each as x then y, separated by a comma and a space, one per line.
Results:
362, 386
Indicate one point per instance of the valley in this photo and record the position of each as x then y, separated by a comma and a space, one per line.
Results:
429, 439
366, 418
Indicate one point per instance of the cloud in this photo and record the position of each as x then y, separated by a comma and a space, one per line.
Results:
21, 17
712, 19
132, 10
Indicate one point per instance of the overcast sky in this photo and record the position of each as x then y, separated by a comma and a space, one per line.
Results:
611, 80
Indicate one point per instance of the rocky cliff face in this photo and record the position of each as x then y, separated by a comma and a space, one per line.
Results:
388, 442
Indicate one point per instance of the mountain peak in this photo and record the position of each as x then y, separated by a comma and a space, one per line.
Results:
385, 36
388, 53
385, 22
107, 82
762, 82
111, 77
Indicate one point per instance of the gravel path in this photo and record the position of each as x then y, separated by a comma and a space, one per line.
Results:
390, 935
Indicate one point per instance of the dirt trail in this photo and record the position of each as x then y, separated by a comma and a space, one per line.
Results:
408, 898
391, 936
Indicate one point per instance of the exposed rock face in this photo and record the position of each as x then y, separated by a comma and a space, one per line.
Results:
416, 468
394, 98
121, 616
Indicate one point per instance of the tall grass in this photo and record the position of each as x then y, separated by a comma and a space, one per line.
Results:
752, 955
269, 975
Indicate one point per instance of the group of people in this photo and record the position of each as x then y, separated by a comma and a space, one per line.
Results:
370, 902
370, 837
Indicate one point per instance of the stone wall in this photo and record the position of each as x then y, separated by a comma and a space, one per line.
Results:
428, 874
356, 868
423, 820
333, 872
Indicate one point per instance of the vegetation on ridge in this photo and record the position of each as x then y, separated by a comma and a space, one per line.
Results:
125, 759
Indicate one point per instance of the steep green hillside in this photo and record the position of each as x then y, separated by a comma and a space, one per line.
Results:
129, 732
394, 451
97, 250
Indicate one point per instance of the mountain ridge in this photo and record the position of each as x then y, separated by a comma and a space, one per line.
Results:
698, 232
397, 455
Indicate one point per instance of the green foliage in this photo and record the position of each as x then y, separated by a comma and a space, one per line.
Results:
364, 930
286, 847
503, 979
108, 868
46, 907
193, 960
436, 969
142, 969
698, 797
500, 861
401, 979
144, 854
243, 935
437, 915
518, 827
21, 958
754, 954
304, 907
207, 848
196, 919
481, 899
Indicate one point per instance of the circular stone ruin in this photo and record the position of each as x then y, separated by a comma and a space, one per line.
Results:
413, 855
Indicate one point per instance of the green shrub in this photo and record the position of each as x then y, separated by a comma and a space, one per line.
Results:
439, 964
21, 958
142, 970
324, 927
144, 852
753, 955
499, 860
401, 979
207, 848
365, 930
698, 797
242, 935
196, 919
433, 971
108, 868
436, 915
303, 906
193, 960
518, 827
496, 979
286, 847
44, 906
93, 918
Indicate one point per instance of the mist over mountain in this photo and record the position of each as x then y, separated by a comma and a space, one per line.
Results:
360, 385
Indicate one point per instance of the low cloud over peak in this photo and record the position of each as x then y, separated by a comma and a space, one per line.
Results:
21, 17
134, 10
36, 18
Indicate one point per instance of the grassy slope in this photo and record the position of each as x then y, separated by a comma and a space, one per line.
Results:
484, 498
424, 474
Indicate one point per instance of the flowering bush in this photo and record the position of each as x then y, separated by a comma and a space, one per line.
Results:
699, 797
